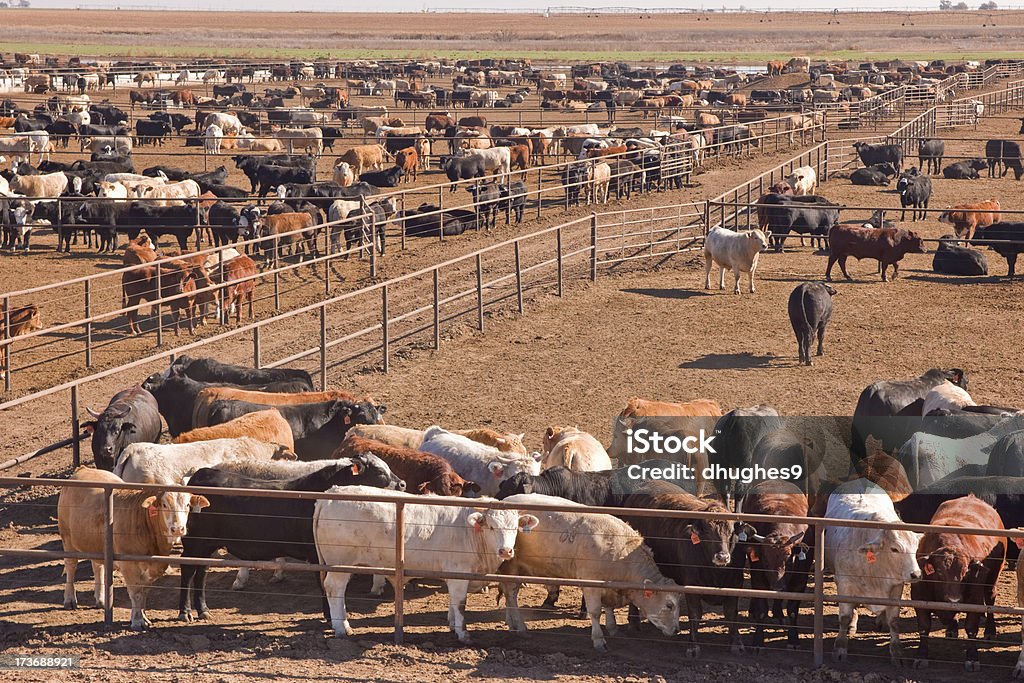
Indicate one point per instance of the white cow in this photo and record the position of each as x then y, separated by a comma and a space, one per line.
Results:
735, 251
803, 180
497, 160
571, 545
228, 123
449, 539
39, 141
213, 137
151, 463
573, 449
343, 174
308, 139
477, 462
115, 190
108, 144
168, 194
49, 185
928, 458
868, 562
184, 76
946, 396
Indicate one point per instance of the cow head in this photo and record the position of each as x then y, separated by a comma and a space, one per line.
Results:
497, 530
956, 376
361, 412
521, 482
167, 513
775, 553
910, 242
948, 570
365, 469
658, 607
449, 484
112, 430
758, 240
893, 551
714, 538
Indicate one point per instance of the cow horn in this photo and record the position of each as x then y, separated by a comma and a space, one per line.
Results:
92, 412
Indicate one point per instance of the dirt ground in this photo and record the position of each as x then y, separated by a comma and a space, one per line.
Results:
733, 36
644, 329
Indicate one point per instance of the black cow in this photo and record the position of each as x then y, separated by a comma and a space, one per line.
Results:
93, 130
485, 200
574, 179
877, 154
1006, 459
1003, 153
952, 259
173, 173
225, 191
810, 309
885, 400
108, 114
874, 176
149, 132
223, 221
104, 167
217, 176
463, 168
624, 175
104, 215
250, 165
179, 122
61, 131
285, 526
318, 427
808, 214
451, 223
389, 178
736, 434
268, 177
513, 200
176, 221
930, 153
23, 124
212, 370
916, 191
132, 416
1007, 241
965, 170
1005, 494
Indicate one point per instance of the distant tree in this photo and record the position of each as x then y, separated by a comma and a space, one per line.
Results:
945, 5
988, 6
960, 6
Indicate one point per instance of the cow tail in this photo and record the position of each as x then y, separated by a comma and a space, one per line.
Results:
803, 308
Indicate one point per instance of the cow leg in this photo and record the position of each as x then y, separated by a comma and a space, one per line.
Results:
847, 629
592, 598
750, 279
792, 614
731, 607
513, 618
70, 596
971, 624
821, 342
828, 270
335, 584
457, 591
551, 598
694, 614
377, 588
137, 593
758, 613
1018, 671
707, 271
241, 579
609, 620
842, 266
924, 628
892, 616
721, 277
895, 271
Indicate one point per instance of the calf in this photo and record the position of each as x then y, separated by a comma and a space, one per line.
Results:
952, 259
143, 524
449, 539
872, 176
967, 218
887, 245
408, 161
778, 556
930, 153
878, 154
485, 200
810, 309
868, 562
578, 546
421, 472
23, 320
959, 568
737, 252
964, 170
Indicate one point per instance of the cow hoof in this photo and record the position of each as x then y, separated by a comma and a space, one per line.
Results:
839, 655
143, 626
548, 605
70, 605
693, 652
973, 667
204, 615
920, 663
278, 577
1018, 671
185, 616
601, 647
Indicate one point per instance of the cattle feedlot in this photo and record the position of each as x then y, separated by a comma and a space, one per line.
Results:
423, 354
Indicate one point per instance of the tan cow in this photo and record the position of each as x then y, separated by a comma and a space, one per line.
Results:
365, 158
680, 419
265, 425
144, 524
573, 449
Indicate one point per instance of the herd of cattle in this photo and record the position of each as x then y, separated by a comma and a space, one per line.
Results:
954, 463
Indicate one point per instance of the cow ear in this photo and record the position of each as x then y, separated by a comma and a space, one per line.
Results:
356, 468
476, 520
88, 427
199, 502
528, 523
149, 502
496, 469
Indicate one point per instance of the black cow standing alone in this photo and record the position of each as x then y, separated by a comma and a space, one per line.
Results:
810, 309
915, 190
930, 153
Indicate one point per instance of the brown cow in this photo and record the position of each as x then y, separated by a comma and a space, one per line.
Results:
23, 319
736, 99
966, 218
959, 568
176, 280
681, 419
473, 122
704, 119
283, 230
7, 121
409, 161
885, 471
232, 273
520, 157
438, 121
775, 68
264, 425
598, 152
184, 98
422, 472
886, 245
139, 250
506, 443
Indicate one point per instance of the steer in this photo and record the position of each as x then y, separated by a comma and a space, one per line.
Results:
448, 539
878, 154
597, 547
573, 449
421, 472
212, 370
151, 463
930, 153
959, 568
1004, 153
868, 562
778, 556
679, 419
914, 190
952, 259
474, 461
143, 524
285, 527
266, 425
733, 251
132, 416
1007, 240
886, 245
810, 309
876, 175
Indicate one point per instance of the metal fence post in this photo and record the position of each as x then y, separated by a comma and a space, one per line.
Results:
819, 595
108, 556
479, 293
277, 276
6, 352
437, 309
222, 310
76, 446
593, 247
159, 309
519, 277
440, 214
256, 346
540, 190
399, 573
323, 347
88, 324
558, 257
385, 327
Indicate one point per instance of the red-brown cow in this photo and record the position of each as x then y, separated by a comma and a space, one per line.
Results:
966, 218
408, 160
596, 152
519, 156
422, 472
232, 273
23, 319
959, 568
886, 245
177, 279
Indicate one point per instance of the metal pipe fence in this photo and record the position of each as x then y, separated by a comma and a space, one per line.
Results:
403, 567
